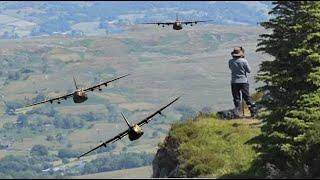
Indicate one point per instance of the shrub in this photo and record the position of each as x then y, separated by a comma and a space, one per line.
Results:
39, 150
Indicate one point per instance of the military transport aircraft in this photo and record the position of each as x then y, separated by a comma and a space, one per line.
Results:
134, 131
177, 25
79, 95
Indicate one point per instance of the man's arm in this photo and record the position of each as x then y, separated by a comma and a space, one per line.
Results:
247, 67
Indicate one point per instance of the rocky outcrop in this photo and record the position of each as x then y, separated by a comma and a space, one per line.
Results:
165, 163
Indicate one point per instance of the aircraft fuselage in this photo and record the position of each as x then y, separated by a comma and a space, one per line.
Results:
135, 132
79, 97
177, 25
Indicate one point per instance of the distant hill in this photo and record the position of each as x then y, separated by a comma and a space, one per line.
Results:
27, 19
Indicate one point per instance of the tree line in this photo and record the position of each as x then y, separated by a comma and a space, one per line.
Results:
290, 141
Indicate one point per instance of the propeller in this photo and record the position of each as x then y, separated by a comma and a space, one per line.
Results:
125, 119
75, 82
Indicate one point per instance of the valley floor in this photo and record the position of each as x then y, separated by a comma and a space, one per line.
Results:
140, 172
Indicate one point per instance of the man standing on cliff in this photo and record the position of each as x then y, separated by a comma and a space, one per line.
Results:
239, 67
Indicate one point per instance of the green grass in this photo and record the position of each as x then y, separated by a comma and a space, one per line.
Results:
170, 51
175, 38
209, 147
81, 43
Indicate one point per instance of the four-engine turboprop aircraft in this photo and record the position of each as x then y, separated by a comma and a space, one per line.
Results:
79, 95
134, 131
177, 25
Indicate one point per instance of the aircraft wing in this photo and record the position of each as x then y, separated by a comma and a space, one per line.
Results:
104, 83
149, 118
53, 99
161, 23
193, 22
116, 138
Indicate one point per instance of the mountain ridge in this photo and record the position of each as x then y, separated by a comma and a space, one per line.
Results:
29, 19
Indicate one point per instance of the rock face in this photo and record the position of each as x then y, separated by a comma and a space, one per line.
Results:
165, 163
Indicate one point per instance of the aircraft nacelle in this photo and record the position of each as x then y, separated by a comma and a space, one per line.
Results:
177, 27
135, 133
106, 84
79, 97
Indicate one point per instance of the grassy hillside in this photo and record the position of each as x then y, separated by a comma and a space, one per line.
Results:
207, 147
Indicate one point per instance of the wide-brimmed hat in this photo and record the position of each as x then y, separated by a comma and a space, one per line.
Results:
237, 52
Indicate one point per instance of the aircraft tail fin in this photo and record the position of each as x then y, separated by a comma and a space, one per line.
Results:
177, 17
75, 82
125, 120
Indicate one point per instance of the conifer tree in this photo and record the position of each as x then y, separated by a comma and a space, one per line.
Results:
290, 138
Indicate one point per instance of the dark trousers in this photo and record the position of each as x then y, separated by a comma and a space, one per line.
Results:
244, 88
